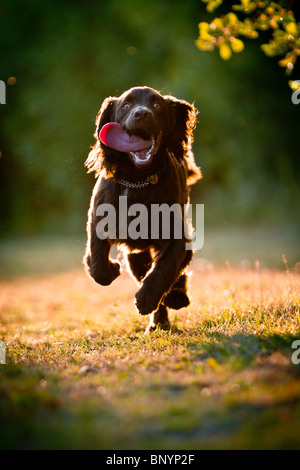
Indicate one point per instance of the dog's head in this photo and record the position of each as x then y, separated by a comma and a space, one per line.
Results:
138, 126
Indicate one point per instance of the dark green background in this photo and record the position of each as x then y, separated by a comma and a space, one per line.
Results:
67, 56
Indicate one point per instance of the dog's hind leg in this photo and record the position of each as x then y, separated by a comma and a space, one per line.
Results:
159, 319
139, 264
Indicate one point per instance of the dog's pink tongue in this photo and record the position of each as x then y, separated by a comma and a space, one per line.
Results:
113, 135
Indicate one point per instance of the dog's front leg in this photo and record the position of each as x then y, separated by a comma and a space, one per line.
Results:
98, 265
169, 264
97, 262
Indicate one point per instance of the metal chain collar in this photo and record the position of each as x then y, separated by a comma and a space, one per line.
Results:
152, 179
141, 184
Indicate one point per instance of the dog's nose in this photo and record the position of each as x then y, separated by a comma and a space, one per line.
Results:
140, 114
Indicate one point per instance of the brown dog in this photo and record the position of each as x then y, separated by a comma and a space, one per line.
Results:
143, 155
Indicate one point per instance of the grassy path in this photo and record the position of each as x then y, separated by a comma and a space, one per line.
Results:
81, 373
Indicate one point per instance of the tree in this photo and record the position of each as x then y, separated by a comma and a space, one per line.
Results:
224, 31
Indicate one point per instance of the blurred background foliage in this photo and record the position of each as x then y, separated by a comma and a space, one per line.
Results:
277, 17
67, 56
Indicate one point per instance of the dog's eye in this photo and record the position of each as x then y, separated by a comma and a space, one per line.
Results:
156, 105
126, 106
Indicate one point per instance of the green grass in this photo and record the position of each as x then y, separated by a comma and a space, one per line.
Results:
82, 374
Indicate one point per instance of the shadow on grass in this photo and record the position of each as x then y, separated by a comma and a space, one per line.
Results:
244, 348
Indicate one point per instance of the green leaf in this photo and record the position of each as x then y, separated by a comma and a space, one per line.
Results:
225, 51
237, 45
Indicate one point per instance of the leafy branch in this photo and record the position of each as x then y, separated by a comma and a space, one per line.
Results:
223, 32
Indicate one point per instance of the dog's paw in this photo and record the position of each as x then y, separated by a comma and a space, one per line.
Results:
159, 319
153, 326
106, 276
176, 299
114, 271
145, 300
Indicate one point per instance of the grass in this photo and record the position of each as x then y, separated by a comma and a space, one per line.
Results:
81, 373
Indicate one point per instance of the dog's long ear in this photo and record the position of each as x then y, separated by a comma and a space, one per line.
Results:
182, 115
106, 114
183, 121
94, 161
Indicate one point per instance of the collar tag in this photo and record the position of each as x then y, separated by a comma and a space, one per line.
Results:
154, 178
